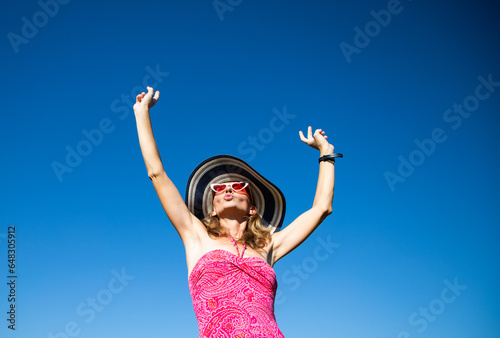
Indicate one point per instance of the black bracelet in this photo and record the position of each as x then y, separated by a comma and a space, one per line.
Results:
330, 157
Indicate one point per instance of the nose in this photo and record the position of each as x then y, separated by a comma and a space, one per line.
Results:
229, 188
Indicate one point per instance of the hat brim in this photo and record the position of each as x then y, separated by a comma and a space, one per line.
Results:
269, 200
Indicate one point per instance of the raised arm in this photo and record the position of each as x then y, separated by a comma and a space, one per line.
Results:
297, 232
184, 222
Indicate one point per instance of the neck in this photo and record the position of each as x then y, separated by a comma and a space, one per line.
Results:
234, 228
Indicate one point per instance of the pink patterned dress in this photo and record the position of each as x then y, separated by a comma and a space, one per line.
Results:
233, 296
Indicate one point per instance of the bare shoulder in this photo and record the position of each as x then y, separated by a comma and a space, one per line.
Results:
197, 244
274, 247
269, 250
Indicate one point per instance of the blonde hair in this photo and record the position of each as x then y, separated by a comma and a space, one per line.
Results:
256, 234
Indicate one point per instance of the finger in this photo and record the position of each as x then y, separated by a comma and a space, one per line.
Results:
157, 95
309, 132
302, 138
148, 93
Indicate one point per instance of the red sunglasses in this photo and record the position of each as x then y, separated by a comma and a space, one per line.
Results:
240, 187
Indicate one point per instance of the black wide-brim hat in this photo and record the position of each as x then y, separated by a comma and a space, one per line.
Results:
269, 200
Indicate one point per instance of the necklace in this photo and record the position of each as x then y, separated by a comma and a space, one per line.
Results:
236, 246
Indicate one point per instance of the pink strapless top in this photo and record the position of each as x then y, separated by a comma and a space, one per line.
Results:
233, 296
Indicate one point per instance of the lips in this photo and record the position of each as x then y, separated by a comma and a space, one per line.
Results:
228, 197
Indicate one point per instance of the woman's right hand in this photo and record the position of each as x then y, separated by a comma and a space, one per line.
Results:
145, 101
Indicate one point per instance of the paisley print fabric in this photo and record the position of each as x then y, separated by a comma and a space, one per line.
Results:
233, 296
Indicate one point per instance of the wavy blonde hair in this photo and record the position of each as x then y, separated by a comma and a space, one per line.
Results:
256, 234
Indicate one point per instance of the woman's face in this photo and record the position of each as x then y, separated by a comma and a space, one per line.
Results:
231, 202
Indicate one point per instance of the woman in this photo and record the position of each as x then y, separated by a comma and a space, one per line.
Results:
230, 244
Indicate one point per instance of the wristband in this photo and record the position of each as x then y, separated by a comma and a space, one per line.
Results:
330, 157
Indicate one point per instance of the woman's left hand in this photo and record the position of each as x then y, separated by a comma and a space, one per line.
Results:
317, 141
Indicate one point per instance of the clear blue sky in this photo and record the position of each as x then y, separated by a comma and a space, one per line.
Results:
409, 91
